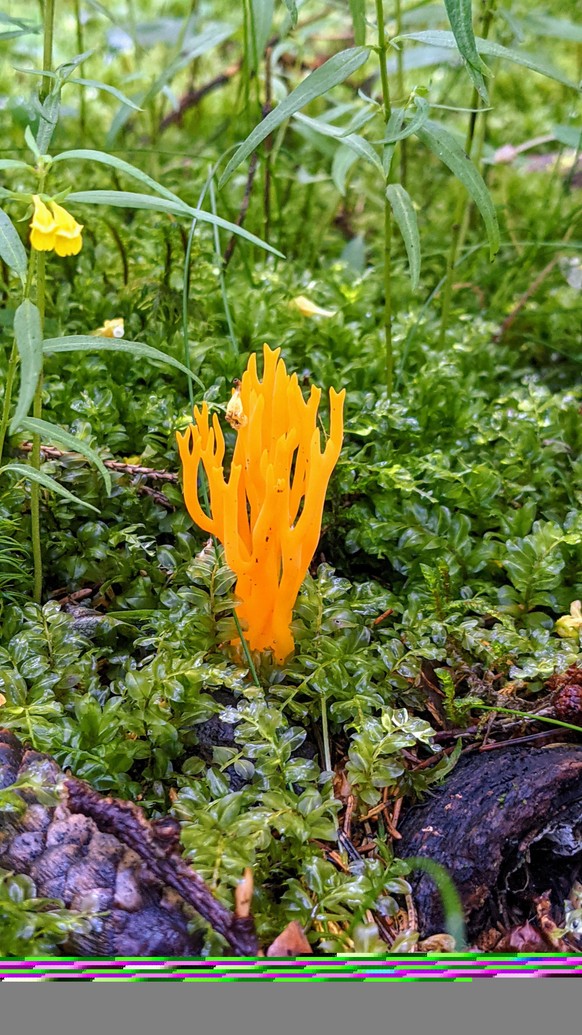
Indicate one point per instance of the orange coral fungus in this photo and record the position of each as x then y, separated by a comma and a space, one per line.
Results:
268, 513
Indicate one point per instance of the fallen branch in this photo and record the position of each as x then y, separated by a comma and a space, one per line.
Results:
157, 843
484, 825
193, 97
103, 857
52, 453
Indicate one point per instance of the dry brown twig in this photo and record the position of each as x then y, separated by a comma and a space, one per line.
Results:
133, 470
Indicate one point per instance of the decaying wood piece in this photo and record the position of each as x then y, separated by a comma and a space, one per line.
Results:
102, 856
495, 808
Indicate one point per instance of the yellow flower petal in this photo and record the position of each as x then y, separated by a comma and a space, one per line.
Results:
43, 227
308, 308
68, 245
111, 328
569, 626
41, 241
114, 328
68, 240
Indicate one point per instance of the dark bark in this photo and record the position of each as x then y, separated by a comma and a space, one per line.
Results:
506, 825
102, 856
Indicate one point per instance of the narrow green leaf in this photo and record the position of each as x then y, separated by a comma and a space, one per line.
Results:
438, 38
102, 158
26, 471
11, 163
445, 147
569, 136
49, 116
261, 21
451, 902
407, 222
358, 13
393, 128
352, 140
126, 199
337, 69
31, 142
411, 126
106, 88
8, 19
53, 433
11, 247
363, 149
545, 25
343, 160
292, 8
11, 34
90, 343
460, 15
28, 336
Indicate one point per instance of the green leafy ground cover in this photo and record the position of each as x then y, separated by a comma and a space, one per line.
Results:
454, 509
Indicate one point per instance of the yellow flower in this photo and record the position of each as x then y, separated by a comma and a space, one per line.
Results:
569, 626
43, 227
235, 413
308, 308
111, 328
54, 230
68, 231
268, 512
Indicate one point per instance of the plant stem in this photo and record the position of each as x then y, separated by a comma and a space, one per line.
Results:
462, 210
47, 62
325, 735
387, 208
221, 277
81, 48
531, 716
400, 82
245, 647
10, 373
12, 363
47, 54
35, 453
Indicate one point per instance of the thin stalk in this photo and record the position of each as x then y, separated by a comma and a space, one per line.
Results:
10, 374
387, 209
246, 651
47, 62
81, 50
221, 278
267, 148
255, 58
400, 82
451, 902
246, 84
186, 287
35, 453
527, 715
325, 735
462, 210
47, 53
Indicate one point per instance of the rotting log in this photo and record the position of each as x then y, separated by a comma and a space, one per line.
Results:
507, 825
102, 856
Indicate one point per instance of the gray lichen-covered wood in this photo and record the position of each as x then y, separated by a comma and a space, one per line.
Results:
69, 858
